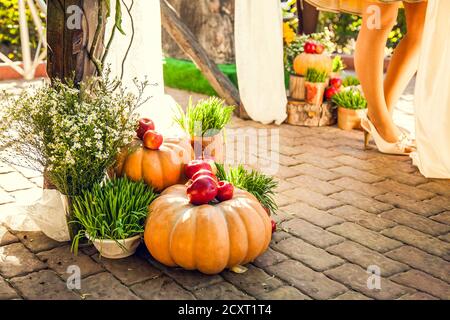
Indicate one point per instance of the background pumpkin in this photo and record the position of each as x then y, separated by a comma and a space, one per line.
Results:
321, 62
159, 168
209, 238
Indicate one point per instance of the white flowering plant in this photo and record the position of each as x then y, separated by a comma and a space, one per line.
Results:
74, 132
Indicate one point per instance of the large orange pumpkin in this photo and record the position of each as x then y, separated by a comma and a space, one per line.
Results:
321, 62
208, 238
159, 168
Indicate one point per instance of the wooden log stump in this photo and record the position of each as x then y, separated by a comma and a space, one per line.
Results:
302, 114
297, 87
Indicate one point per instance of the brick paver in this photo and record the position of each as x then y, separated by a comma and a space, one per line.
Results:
342, 210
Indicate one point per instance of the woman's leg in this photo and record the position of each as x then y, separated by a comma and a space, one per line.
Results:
307, 17
405, 59
369, 60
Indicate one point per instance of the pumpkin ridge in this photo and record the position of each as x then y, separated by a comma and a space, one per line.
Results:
249, 257
256, 208
232, 209
172, 229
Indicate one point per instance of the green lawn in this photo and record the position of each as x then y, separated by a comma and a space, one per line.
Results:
185, 75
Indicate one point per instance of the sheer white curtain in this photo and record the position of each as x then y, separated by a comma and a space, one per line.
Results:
432, 101
259, 59
144, 59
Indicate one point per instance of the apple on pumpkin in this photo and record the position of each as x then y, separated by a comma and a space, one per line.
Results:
145, 124
320, 48
274, 226
310, 47
196, 165
202, 190
152, 140
204, 172
225, 191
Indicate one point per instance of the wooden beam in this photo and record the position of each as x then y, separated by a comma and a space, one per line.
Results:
189, 44
67, 46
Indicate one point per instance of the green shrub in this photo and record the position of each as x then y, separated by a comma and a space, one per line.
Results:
345, 28
350, 99
338, 64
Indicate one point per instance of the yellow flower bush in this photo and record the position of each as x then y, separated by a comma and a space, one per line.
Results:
288, 33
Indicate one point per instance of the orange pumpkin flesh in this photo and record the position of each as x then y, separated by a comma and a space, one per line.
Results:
321, 62
208, 238
159, 168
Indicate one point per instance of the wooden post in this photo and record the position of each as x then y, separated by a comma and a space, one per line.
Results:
71, 25
189, 44
68, 43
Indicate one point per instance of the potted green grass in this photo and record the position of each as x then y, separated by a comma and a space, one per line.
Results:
315, 86
112, 216
350, 104
205, 122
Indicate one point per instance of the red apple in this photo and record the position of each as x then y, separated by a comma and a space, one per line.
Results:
202, 190
310, 47
336, 82
274, 226
145, 124
320, 48
196, 165
204, 172
152, 140
330, 92
225, 191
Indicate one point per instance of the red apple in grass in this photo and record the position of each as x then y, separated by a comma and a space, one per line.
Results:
152, 140
196, 165
310, 47
204, 172
320, 48
330, 92
202, 190
225, 191
336, 82
145, 124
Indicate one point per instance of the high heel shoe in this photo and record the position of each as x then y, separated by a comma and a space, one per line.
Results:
397, 148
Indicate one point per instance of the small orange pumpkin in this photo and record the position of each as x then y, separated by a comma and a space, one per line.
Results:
208, 238
159, 168
321, 62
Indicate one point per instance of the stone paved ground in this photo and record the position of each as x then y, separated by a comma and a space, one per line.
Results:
342, 209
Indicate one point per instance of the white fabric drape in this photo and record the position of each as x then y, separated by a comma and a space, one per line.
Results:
145, 59
432, 101
259, 59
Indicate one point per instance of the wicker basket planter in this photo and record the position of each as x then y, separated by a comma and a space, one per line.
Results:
297, 87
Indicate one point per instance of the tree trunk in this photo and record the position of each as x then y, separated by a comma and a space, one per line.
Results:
211, 22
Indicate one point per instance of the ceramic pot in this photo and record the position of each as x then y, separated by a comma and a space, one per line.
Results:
116, 249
